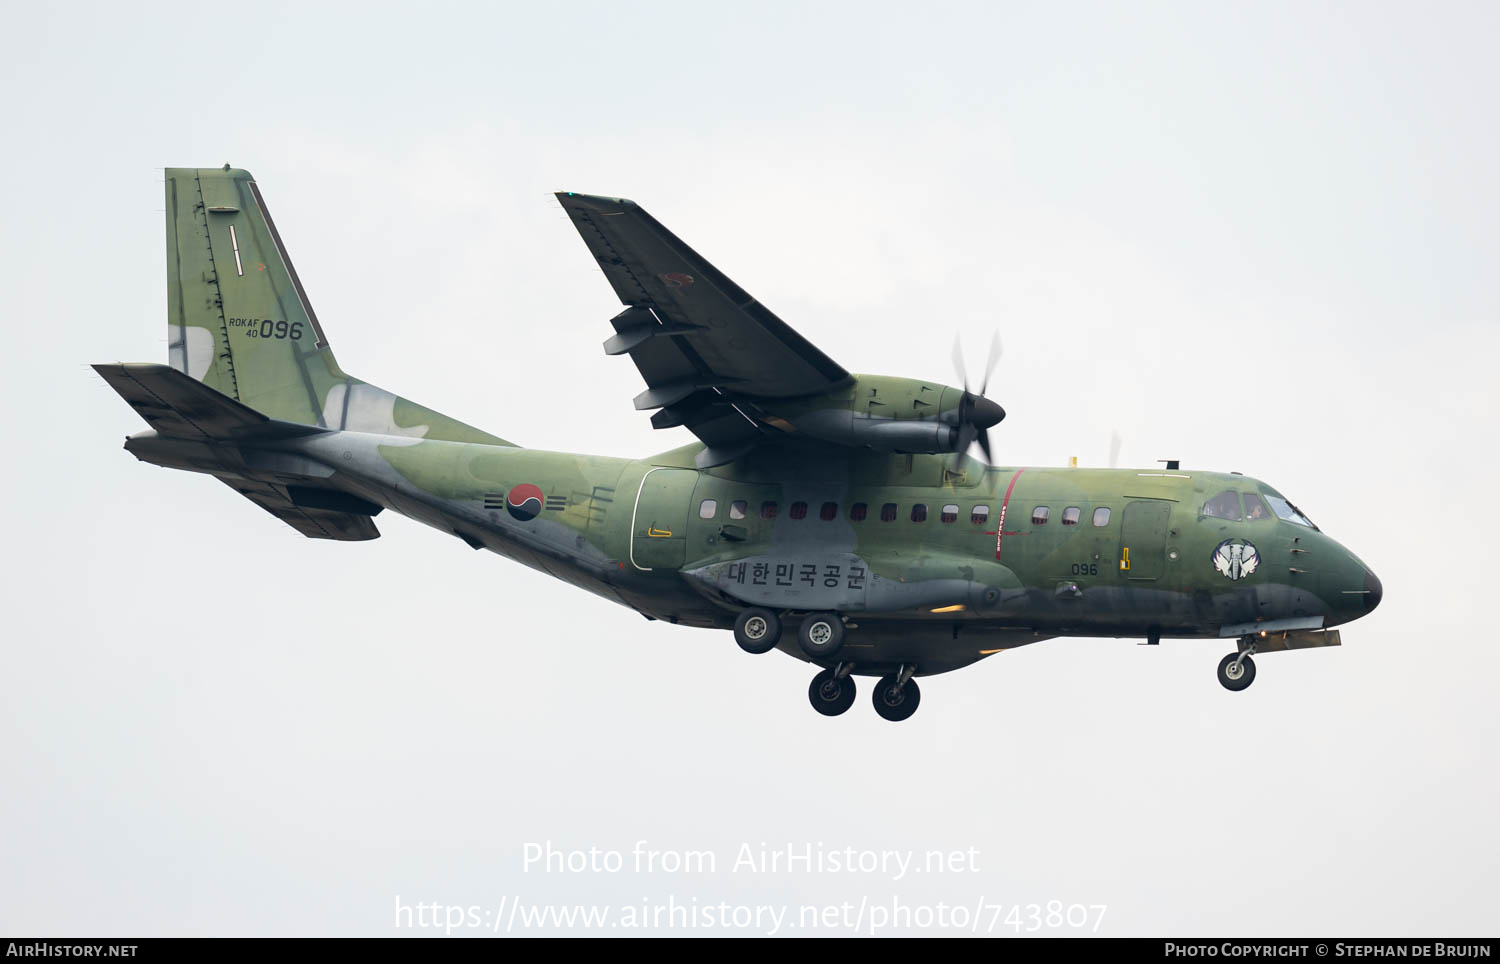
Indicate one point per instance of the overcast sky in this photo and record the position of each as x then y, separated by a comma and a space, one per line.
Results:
1250, 237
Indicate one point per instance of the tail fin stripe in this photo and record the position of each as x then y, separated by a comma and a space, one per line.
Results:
234, 242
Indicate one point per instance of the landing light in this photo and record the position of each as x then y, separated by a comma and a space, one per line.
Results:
951, 609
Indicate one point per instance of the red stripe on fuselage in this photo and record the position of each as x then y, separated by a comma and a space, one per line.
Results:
1004, 507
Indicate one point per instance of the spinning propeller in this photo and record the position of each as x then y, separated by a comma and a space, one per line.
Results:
976, 414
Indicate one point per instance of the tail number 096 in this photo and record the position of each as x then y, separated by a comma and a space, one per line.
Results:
279, 329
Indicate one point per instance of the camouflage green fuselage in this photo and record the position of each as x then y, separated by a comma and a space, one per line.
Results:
938, 587
796, 499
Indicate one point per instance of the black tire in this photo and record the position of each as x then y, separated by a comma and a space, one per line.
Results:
1246, 673
757, 630
830, 695
896, 704
821, 635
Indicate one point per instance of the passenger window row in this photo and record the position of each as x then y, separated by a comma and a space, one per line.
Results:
858, 512
1070, 516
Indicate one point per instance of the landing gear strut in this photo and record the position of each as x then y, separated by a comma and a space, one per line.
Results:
1237, 670
832, 691
757, 630
896, 697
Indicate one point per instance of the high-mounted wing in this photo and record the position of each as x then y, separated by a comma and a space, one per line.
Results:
707, 350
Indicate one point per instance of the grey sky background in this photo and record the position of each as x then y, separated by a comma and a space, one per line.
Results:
1251, 237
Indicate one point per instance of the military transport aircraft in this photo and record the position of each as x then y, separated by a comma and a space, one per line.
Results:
836, 517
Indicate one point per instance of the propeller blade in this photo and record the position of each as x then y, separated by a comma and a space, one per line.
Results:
966, 433
989, 365
984, 445
1114, 449
958, 362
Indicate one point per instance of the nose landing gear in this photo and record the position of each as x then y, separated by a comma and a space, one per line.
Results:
1237, 670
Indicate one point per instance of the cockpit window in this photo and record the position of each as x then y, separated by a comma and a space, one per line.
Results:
1225, 505
1285, 510
1255, 509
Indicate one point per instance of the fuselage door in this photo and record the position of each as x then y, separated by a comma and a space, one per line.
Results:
658, 532
1143, 539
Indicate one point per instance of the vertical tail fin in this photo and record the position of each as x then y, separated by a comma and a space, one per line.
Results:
238, 315
240, 321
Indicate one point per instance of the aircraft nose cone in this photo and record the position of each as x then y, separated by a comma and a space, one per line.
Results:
1373, 590
986, 413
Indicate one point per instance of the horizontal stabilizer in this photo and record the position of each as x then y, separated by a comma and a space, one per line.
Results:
307, 515
179, 406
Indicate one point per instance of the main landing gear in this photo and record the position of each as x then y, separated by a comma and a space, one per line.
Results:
757, 630
832, 691
821, 637
896, 696
1237, 670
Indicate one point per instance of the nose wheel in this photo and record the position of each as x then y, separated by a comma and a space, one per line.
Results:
832, 691
1236, 671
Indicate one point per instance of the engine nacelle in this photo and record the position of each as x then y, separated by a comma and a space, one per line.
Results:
890, 415
880, 432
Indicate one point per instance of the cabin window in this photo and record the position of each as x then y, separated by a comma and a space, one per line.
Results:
1101, 517
829, 511
888, 512
1255, 509
737, 509
1071, 515
949, 514
980, 515
708, 508
798, 510
1040, 515
919, 512
1225, 505
768, 510
858, 511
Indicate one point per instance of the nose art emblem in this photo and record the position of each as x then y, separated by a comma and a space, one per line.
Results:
1236, 559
